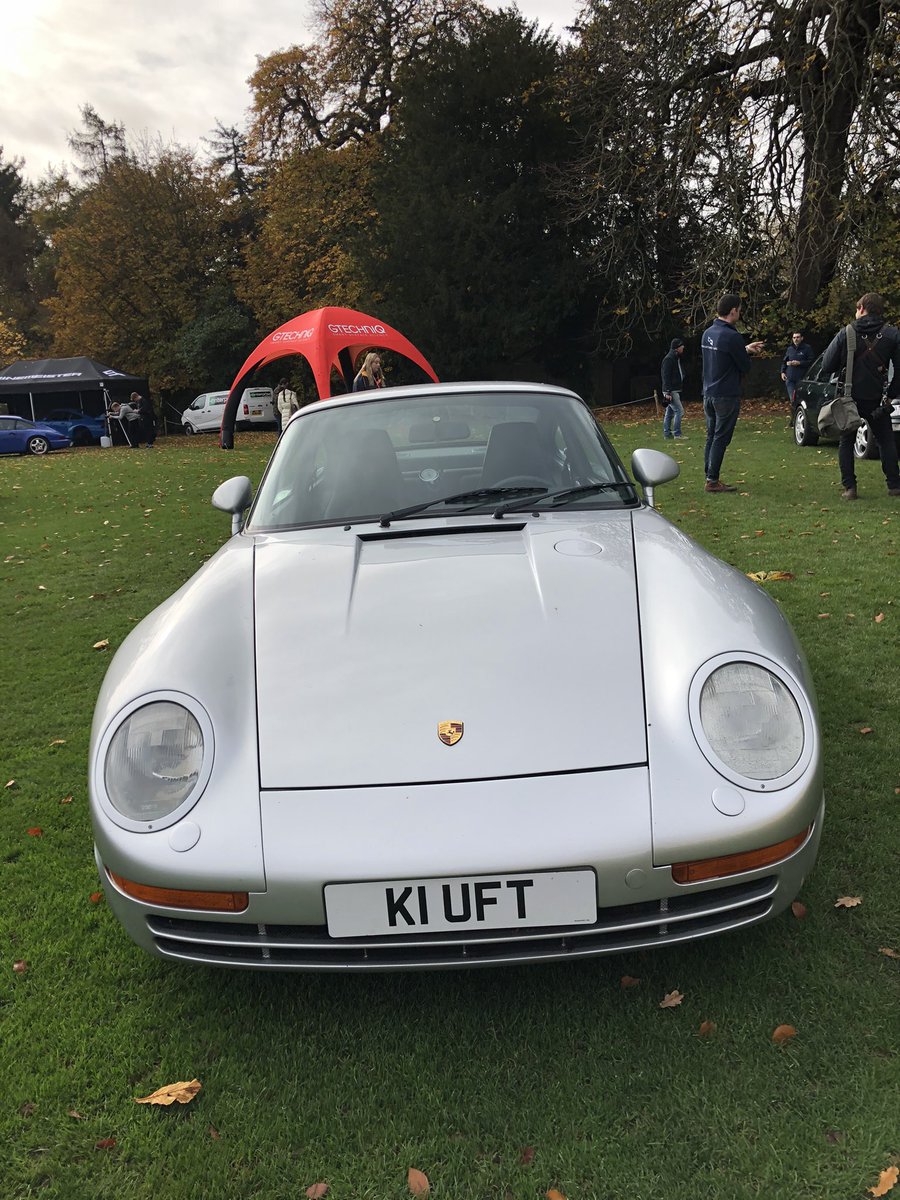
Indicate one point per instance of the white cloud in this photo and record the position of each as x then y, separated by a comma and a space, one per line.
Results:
159, 67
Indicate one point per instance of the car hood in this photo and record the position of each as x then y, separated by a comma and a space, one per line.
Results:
526, 634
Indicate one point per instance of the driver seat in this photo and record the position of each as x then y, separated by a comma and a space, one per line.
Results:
514, 448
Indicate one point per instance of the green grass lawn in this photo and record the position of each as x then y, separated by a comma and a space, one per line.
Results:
496, 1084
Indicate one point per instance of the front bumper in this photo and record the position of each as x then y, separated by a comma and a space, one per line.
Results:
596, 820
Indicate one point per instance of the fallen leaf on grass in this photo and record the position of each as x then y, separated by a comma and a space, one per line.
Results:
27, 1109
20, 966
526, 1157
833, 1136
101, 645
822, 616
105, 1144
768, 576
706, 1028
35, 831
799, 910
418, 1182
848, 901
628, 981
783, 1033
96, 897
76, 1115
553, 1194
879, 618
888, 952
867, 729
671, 999
58, 742
886, 1181
11, 783
183, 1093
214, 1134
66, 800
316, 1191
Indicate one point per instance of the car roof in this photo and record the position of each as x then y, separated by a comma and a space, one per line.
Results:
434, 391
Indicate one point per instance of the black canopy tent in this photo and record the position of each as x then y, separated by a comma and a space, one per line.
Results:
32, 388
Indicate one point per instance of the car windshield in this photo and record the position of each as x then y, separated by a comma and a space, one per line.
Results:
441, 455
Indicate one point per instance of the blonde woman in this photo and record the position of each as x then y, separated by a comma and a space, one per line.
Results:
370, 375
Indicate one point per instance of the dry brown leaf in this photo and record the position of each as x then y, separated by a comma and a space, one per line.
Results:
888, 952
27, 1109
105, 1144
11, 783
553, 1194
66, 800
848, 901
671, 999
20, 966
316, 1191
886, 1181
867, 729
822, 616
783, 1033
799, 910
418, 1182
35, 831
58, 742
706, 1028
833, 1136
879, 618
103, 644
768, 576
214, 1134
183, 1093
96, 897
76, 1115
628, 981
526, 1156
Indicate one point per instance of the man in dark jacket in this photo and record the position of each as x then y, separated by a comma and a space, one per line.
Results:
795, 364
877, 346
725, 360
672, 375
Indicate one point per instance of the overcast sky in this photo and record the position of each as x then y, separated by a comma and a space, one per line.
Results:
167, 67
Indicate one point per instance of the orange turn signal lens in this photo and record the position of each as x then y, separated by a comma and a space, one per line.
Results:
176, 898
734, 864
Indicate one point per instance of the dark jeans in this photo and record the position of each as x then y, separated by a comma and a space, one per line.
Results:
721, 414
887, 446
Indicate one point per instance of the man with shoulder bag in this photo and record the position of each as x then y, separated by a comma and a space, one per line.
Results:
877, 346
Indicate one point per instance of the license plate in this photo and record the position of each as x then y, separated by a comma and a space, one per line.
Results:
461, 903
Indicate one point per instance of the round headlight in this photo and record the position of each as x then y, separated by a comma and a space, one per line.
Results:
154, 761
751, 721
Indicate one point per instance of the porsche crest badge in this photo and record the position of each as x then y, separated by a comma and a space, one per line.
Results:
450, 732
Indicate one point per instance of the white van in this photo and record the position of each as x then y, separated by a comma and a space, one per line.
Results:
256, 409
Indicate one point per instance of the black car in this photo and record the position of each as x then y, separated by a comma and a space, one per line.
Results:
816, 389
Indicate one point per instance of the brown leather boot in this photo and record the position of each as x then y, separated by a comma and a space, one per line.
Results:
717, 486
849, 494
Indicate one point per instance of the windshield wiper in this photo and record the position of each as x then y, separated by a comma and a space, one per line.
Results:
562, 494
478, 494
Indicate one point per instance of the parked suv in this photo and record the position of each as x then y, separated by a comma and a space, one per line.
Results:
816, 389
256, 409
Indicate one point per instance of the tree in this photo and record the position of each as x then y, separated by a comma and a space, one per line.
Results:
98, 144
345, 88
469, 252
775, 124
143, 275
20, 246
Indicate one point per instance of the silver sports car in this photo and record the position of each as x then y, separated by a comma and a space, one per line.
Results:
452, 694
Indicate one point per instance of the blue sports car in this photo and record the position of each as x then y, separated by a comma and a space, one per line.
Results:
79, 427
18, 436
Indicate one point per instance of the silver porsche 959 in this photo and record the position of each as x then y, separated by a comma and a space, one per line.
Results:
452, 694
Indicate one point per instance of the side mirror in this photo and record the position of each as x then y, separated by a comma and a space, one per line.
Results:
234, 496
651, 468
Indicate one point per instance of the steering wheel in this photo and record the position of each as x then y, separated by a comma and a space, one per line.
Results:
522, 481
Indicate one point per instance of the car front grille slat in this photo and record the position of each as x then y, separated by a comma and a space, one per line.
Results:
309, 947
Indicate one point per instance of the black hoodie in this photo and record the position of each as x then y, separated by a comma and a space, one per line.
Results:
877, 345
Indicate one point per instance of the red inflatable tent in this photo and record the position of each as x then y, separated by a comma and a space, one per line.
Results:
327, 338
